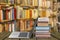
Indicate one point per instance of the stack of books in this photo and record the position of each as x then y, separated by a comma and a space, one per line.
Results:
42, 29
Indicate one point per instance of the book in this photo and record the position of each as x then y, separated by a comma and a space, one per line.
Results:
19, 12
12, 13
43, 13
18, 1
43, 36
43, 27
14, 26
7, 11
4, 14
43, 3
40, 3
34, 13
7, 27
35, 2
48, 4
42, 24
27, 14
1, 28
10, 27
22, 25
1, 15
15, 12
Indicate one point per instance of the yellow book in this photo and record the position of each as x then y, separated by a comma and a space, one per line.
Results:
43, 13
1, 28
27, 14
35, 2
48, 13
34, 13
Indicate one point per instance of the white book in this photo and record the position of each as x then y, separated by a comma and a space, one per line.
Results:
48, 3
43, 19
13, 27
40, 3
10, 28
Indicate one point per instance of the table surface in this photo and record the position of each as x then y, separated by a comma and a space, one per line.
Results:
5, 35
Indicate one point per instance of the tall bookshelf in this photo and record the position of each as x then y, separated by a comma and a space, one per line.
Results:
25, 11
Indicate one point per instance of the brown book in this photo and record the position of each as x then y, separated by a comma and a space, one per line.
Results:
42, 24
6, 27
1, 28
22, 25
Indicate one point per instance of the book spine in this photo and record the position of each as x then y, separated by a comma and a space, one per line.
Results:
4, 14
22, 25
15, 11
1, 15
40, 3
7, 14
6, 27
12, 13
10, 27
30, 13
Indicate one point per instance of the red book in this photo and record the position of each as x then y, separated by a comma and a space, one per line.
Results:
7, 11
30, 13
15, 13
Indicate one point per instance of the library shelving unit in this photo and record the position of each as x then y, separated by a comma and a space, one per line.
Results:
19, 16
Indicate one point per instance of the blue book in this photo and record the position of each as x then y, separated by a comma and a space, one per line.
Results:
12, 13
43, 28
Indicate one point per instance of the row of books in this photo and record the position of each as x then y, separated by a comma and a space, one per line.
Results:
12, 13
41, 3
43, 28
20, 25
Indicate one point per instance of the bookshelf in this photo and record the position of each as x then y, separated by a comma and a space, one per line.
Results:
17, 10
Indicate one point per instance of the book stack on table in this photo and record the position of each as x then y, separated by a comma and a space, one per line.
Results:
43, 28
